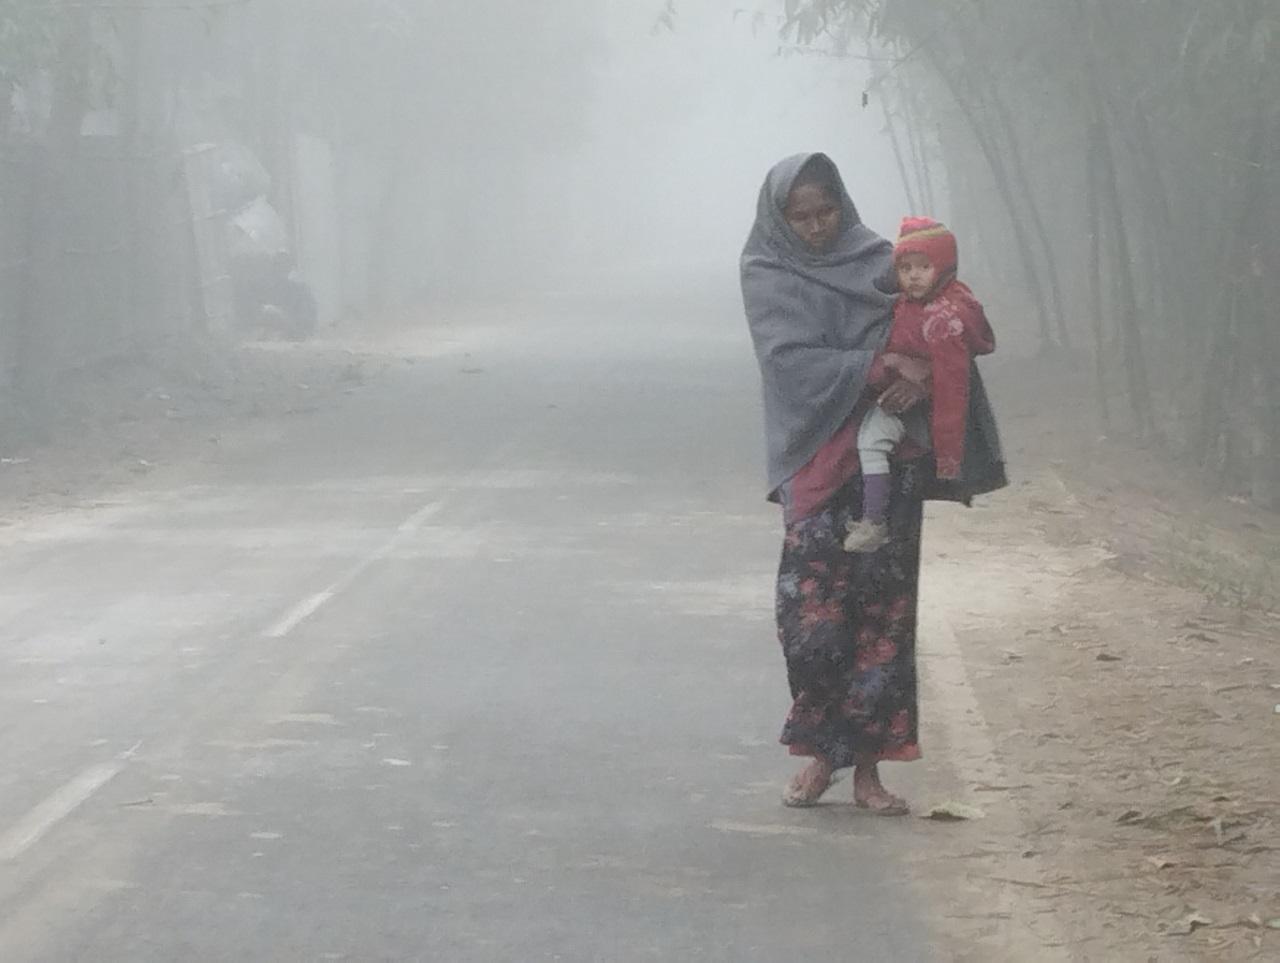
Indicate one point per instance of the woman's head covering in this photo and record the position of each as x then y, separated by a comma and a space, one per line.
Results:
924, 235
817, 319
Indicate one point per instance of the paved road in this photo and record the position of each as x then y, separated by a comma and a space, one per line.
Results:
476, 664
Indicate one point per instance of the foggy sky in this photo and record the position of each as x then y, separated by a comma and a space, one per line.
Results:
681, 131
577, 147
686, 124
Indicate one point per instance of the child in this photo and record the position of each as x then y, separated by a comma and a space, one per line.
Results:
938, 320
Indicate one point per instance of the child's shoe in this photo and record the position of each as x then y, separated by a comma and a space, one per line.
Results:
866, 536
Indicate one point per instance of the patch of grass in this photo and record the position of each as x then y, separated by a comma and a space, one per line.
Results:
1248, 583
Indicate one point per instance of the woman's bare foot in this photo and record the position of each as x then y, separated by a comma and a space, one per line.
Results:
807, 786
869, 793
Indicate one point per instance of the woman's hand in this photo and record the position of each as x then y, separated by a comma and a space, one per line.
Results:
903, 395
912, 369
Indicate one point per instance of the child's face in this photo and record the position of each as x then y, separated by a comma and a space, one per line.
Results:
916, 276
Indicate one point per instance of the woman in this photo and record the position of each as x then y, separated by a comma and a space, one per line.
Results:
818, 289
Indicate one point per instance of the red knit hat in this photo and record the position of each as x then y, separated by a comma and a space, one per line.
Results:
924, 235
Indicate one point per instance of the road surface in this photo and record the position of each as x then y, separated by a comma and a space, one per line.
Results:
475, 663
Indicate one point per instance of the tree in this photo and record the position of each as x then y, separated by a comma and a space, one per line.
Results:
1133, 148
28, 39
417, 98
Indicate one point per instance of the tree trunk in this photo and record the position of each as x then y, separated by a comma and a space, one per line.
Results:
919, 156
42, 325
1032, 203
1216, 377
1095, 277
275, 135
382, 241
1256, 210
1005, 189
892, 131
1164, 241
1135, 366
71, 79
129, 25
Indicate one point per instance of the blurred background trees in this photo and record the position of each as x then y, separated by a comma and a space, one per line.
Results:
387, 150
1119, 164
1111, 167
445, 121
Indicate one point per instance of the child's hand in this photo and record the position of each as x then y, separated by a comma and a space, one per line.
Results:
913, 369
901, 396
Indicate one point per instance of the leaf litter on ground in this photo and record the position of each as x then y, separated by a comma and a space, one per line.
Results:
1189, 924
951, 812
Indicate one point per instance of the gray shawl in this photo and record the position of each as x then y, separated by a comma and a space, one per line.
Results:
817, 320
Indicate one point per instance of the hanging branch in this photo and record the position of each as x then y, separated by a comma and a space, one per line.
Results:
892, 130
1004, 187
919, 156
1033, 213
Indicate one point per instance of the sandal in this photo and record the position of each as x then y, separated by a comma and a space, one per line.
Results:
802, 793
895, 807
891, 806
879, 801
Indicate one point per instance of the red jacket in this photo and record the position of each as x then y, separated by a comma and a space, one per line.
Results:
949, 331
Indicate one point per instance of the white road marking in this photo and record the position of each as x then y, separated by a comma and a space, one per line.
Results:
299, 614
307, 719
763, 829
212, 809
313, 603
57, 807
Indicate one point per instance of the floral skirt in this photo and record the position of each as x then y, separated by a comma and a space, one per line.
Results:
847, 624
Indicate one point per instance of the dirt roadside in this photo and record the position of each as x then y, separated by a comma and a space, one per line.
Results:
115, 425
1119, 635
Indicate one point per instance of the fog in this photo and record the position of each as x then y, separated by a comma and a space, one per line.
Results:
685, 123
388, 567
176, 169
645, 159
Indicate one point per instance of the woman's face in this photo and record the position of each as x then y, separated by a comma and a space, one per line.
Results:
815, 217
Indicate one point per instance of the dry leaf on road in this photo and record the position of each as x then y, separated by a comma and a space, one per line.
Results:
954, 812
1189, 924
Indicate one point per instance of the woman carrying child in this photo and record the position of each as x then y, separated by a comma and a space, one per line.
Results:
819, 292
